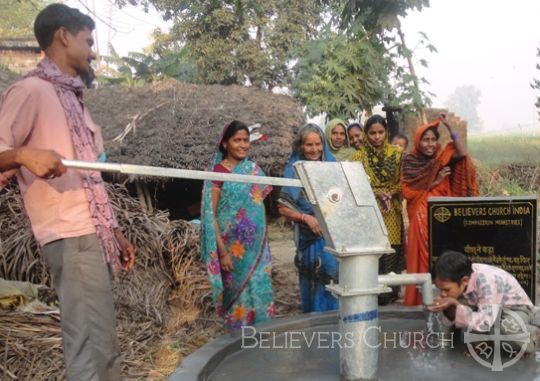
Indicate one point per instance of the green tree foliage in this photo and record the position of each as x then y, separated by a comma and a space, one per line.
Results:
124, 70
341, 76
536, 83
377, 16
241, 41
346, 55
464, 102
360, 60
406, 89
137, 68
18, 17
379, 21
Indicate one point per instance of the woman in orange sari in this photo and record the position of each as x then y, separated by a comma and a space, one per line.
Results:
431, 171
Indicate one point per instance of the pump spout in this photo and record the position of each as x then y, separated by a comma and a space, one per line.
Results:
422, 279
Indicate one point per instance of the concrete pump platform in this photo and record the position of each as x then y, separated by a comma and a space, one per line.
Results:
306, 347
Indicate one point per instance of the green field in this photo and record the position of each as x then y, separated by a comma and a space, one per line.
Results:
497, 150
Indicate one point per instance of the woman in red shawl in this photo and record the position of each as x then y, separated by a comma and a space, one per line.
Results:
431, 171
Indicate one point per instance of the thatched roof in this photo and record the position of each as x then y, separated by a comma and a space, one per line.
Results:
177, 124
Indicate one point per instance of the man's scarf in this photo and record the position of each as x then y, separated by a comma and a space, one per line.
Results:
70, 90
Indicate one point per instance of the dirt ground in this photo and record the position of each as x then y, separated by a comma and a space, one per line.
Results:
287, 294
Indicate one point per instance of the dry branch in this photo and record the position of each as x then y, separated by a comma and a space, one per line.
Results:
167, 274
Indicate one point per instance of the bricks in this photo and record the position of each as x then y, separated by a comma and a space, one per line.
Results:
458, 125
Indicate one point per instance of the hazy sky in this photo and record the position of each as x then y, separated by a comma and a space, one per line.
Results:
128, 29
490, 44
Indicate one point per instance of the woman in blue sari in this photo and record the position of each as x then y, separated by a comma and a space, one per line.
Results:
316, 267
234, 241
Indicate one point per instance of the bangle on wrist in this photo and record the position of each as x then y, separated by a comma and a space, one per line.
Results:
302, 217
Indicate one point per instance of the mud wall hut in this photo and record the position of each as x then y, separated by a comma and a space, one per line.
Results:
173, 124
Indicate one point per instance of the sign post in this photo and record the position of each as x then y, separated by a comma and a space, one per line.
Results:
498, 231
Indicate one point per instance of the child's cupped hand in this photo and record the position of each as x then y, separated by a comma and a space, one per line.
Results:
441, 304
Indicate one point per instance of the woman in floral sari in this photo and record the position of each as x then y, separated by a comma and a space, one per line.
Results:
382, 163
234, 241
316, 267
431, 171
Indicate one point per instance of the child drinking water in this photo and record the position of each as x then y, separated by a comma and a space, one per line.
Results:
472, 295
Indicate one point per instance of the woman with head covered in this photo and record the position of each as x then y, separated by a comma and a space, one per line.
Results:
338, 140
316, 267
430, 171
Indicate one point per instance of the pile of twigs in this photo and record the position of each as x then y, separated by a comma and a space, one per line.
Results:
18, 249
163, 305
32, 347
192, 292
167, 274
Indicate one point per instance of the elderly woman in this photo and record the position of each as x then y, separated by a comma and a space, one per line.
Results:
382, 163
338, 140
316, 267
431, 171
234, 242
